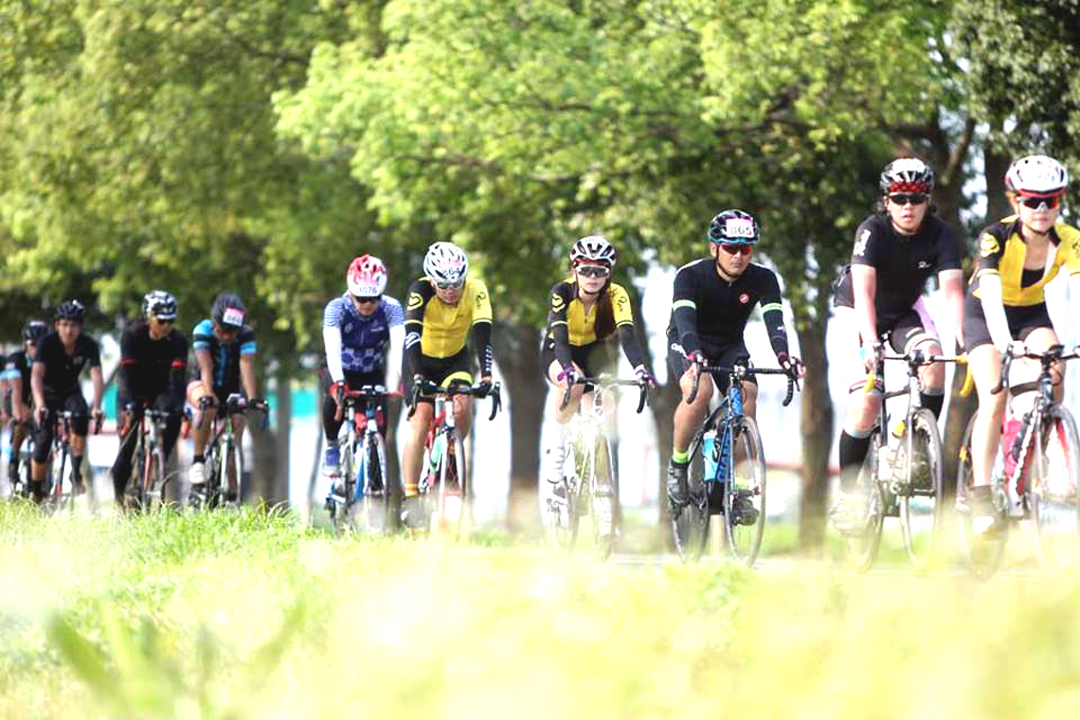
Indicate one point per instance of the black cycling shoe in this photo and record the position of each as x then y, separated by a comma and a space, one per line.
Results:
745, 512
678, 490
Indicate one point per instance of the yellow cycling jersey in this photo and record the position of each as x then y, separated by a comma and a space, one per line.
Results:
1002, 251
567, 309
445, 327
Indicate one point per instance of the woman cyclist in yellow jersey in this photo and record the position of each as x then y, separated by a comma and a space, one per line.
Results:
586, 310
1005, 308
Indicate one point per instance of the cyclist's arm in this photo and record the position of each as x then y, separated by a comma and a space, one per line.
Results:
98, 382
37, 383
561, 297
13, 380
393, 357
772, 311
332, 345
128, 361
178, 369
481, 329
624, 321
420, 292
206, 369
994, 310
863, 289
952, 285
247, 366
684, 312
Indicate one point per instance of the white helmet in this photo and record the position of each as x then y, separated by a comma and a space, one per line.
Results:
593, 249
446, 263
366, 276
1037, 175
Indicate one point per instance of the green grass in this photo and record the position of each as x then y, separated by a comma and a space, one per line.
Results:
245, 615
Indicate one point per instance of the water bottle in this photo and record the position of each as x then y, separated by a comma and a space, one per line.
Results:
710, 454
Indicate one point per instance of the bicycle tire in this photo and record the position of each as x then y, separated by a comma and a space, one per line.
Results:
152, 481
922, 500
59, 498
981, 553
237, 455
690, 523
451, 498
340, 509
744, 541
1055, 488
376, 505
565, 512
603, 500
862, 548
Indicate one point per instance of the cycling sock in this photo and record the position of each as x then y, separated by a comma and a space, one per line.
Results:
551, 459
852, 453
76, 466
932, 402
680, 458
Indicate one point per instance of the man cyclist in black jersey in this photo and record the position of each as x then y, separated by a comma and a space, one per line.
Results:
712, 302
54, 381
879, 295
19, 399
225, 365
153, 356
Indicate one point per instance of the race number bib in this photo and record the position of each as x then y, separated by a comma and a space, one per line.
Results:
233, 316
739, 228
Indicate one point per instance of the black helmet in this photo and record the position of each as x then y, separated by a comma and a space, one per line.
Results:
159, 304
907, 175
734, 226
71, 310
34, 331
228, 311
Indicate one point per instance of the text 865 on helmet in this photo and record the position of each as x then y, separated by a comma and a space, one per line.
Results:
366, 276
446, 264
159, 304
734, 226
907, 175
228, 311
71, 310
1037, 176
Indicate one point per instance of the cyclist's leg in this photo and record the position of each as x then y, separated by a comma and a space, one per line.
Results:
129, 432
43, 437
688, 417
985, 363
204, 425
168, 402
331, 423
239, 424
552, 369
419, 424
75, 403
862, 407
1039, 339
916, 331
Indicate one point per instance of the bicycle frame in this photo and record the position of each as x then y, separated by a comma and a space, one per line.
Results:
149, 453
222, 447
360, 409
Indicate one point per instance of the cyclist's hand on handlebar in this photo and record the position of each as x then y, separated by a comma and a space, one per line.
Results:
207, 401
337, 392
484, 387
871, 353
258, 403
41, 414
566, 377
1016, 349
644, 376
697, 360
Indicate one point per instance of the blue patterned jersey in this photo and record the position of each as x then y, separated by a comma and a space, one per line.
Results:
363, 339
225, 358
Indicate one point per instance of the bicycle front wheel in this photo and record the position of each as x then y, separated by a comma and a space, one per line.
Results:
450, 516
690, 523
152, 486
563, 505
603, 500
921, 499
62, 493
862, 547
744, 494
375, 503
1055, 489
982, 552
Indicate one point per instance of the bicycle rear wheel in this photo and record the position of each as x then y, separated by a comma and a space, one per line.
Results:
862, 548
603, 501
921, 499
1055, 489
746, 482
690, 523
982, 552
375, 503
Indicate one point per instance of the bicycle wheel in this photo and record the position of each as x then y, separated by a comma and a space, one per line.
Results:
690, 523
1055, 488
231, 457
745, 482
982, 552
61, 495
922, 496
339, 506
603, 501
375, 503
152, 491
452, 494
565, 504
862, 548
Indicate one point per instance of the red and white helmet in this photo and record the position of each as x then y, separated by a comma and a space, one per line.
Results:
366, 276
1037, 176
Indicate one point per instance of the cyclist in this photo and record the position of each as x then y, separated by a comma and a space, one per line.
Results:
54, 382
19, 398
359, 328
442, 308
225, 365
1005, 309
879, 295
153, 355
711, 304
586, 310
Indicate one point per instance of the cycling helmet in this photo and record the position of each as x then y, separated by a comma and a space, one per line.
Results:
446, 263
907, 175
159, 304
228, 311
1037, 176
366, 276
734, 226
592, 250
71, 310
34, 331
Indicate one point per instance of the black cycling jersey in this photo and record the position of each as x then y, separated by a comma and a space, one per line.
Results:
709, 313
62, 370
151, 367
903, 264
18, 366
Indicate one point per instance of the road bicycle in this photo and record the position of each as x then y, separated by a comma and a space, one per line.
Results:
147, 490
589, 483
444, 489
902, 475
1035, 477
20, 463
363, 498
224, 459
726, 472
60, 488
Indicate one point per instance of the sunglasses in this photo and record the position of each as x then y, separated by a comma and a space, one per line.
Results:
163, 321
1041, 203
908, 199
456, 285
593, 271
367, 300
737, 248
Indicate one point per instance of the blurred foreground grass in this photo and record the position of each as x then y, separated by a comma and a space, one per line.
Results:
244, 615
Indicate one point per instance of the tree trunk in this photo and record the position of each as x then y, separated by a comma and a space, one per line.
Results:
816, 425
517, 348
